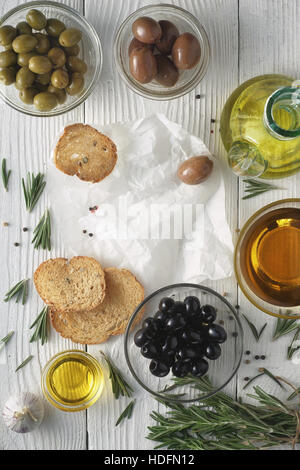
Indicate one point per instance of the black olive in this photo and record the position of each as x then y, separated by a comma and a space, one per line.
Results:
168, 358
166, 303
213, 351
158, 368
192, 304
178, 307
140, 338
161, 317
216, 333
195, 321
176, 321
170, 343
199, 367
191, 336
150, 350
148, 322
181, 368
188, 352
208, 313
152, 327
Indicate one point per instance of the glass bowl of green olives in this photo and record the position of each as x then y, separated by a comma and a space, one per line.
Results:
50, 58
184, 343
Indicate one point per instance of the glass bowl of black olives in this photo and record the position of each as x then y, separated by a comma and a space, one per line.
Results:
180, 334
50, 58
161, 51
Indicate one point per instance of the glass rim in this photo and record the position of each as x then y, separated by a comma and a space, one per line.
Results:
173, 94
98, 64
269, 118
244, 229
137, 311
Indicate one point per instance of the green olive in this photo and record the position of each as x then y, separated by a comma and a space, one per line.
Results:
60, 79
7, 76
43, 79
74, 50
76, 84
8, 47
24, 43
27, 95
45, 101
25, 78
7, 35
55, 27
54, 42
76, 65
43, 44
61, 95
36, 19
7, 58
40, 87
57, 57
40, 64
23, 28
70, 37
23, 59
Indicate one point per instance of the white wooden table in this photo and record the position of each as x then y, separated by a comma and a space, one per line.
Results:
248, 38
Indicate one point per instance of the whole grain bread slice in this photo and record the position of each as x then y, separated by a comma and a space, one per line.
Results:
75, 285
123, 294
86, 153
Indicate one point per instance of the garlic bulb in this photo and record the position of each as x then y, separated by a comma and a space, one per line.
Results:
23, 413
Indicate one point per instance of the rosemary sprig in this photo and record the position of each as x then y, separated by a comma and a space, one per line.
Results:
24, 363
42, 232
119, 385
19, 292
6, 339
291, 349
127, 413
41, 323
257, 334
284, 327
256, 187
32, 189
5, 174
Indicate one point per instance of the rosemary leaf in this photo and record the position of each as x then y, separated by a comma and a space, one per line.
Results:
42, 232
32, 189
252, 380
19, 291
5, 174
291, 349
257, 334
40, 323
127, 413
24, 363
284, 326
294, 394
6, 339
118, 384
269, 374
256, 187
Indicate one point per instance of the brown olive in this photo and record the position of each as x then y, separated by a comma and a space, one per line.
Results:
74, 50
23, 59
143, 65
167, 73
186, 51
61, 95
76, 65
70, 37
23, 28
136, 44
7, 35
57, 57
55, 27
7, 76
40, 64
24, 78
27, 95
146, 30
43, 44
60, 79
24, 43
45, 101
169, 35
36, 19
7, 58
76, 84
43, 79
195, 170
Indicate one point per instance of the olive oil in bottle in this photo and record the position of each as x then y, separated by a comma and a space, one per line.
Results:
270, 257
72, 380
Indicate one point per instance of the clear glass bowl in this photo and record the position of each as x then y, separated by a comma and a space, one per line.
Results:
185, 22
287, 312
90, 52
220, 372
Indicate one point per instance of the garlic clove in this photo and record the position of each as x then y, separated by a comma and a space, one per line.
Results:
23, 413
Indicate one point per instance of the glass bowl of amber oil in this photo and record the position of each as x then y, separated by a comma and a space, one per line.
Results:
72, 380
267, 259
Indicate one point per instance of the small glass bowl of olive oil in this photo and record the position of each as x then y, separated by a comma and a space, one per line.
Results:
72, 380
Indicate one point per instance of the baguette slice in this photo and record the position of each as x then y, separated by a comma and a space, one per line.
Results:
123, 294
75, 285
86, 153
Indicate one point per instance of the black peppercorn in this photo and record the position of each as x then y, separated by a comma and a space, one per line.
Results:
263, 357
257, 357
246, 379
91, 234
17, 244
198, 97
248, 353
25, 229
84, 231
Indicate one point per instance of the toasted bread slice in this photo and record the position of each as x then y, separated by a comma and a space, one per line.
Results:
75, 285
123, 294
86, 153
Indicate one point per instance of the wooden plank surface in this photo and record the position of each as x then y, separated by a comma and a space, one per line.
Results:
248, 37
